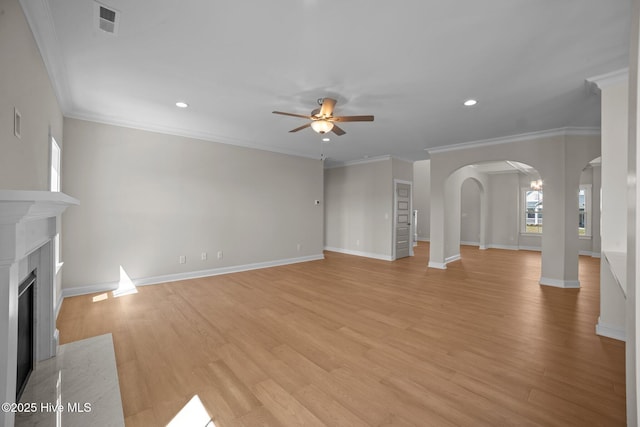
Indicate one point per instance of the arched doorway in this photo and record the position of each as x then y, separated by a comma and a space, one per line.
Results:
493, 205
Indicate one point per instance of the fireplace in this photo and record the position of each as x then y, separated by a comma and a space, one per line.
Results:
26, 323
28, 225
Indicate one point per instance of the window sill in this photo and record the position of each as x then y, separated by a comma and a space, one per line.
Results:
531, 234
584, 237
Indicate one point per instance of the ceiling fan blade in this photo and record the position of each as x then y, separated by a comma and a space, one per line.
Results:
292, 114
337, 130
326, 109
301, 127
352, 119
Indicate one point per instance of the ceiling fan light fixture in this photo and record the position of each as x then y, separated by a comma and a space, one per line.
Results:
321, 126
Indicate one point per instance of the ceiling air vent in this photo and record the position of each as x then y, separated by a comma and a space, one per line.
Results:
106, 18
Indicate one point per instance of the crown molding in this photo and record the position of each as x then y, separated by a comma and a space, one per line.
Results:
359, 162
604, 80
566, 131
169, 130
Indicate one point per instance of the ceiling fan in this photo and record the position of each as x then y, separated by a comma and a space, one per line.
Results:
323, 120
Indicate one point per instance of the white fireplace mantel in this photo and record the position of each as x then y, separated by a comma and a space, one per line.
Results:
27, 226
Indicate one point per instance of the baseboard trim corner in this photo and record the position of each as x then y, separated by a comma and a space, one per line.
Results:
438, 265
557, 283
452, 258
609, 331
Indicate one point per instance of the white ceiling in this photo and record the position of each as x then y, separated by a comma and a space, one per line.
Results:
410, 63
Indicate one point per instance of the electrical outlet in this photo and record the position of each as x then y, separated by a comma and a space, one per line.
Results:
203, 256
220, 254
299, 246
182, 259
358, 242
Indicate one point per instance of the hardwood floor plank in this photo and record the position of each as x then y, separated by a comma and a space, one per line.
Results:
259, 417
356, 341
327, 409
284, 406
237, 395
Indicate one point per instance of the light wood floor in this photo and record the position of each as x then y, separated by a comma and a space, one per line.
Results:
351, 341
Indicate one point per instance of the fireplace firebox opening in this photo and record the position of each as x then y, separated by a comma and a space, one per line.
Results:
26, 338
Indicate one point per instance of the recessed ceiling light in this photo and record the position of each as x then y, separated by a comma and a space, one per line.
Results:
470, 102
326, 139
181, 104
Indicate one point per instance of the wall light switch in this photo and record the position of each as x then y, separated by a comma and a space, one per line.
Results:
182, 259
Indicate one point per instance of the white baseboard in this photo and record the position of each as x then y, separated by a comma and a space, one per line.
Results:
557, 283
359, 253
90, 289
443, 265
470, 243
438, 265
610, 331
505, 247
452, 258
589, 253
223, 270
423, 239
58, 306
530, 248
107, 287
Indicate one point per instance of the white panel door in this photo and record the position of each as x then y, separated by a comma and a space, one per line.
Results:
403, 220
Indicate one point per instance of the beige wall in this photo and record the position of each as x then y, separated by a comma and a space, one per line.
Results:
25, 85
614, 172
504, 196
470, 213
148, 198
359, 207
422, 196
402, 170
